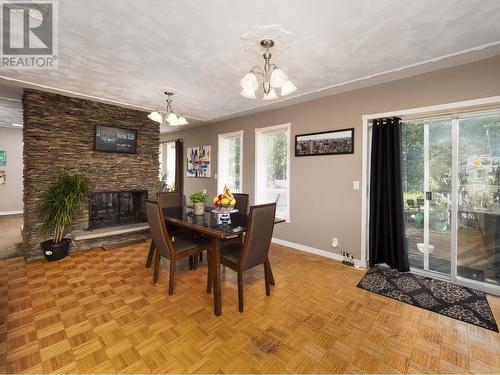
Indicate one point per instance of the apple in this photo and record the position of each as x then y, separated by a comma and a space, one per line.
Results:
225, 201
217, 203
221, 196
216, 198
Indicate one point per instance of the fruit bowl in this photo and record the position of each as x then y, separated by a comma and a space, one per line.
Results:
224, 209
224, 203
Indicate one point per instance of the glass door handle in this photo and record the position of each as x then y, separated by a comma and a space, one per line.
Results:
428, 195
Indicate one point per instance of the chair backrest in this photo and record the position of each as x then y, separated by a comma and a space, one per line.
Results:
258, 236
242, 202
158, 229
169, 199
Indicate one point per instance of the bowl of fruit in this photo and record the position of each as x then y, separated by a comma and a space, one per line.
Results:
225, 202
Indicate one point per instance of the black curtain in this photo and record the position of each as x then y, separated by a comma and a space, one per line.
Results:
387, 228
179, 165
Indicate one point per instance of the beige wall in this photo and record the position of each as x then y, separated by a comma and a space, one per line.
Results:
323, 202
11, 194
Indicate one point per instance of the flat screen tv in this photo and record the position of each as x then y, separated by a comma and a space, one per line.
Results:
108, 139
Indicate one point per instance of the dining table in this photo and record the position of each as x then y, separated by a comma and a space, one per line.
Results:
210, 226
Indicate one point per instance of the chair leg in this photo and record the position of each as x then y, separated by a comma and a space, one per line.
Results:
201, 257
266, 278
156, 267
171, 277
150, 254
240, 290
191, 262
209, 273
195, 262
270, 271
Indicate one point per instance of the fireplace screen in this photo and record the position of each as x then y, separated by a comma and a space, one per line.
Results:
117, 208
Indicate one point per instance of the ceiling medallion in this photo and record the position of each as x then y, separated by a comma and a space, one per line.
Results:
272, 77
252, 39
169, 117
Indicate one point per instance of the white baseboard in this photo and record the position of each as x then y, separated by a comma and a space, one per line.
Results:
312, 250
4, 213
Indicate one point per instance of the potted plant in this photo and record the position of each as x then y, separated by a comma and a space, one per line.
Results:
62, 203
198, 198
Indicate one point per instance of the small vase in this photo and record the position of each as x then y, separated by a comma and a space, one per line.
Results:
199, 208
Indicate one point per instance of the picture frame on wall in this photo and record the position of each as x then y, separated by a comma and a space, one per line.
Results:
198, 161
3, 178
333, 142
3, 158
117, 140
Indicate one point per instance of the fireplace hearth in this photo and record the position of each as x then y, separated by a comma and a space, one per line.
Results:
113, 208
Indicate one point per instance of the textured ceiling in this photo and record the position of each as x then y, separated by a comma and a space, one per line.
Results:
129, 51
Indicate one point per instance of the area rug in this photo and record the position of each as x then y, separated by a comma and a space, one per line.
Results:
457, 302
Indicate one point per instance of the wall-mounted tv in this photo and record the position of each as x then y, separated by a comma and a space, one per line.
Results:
108, 139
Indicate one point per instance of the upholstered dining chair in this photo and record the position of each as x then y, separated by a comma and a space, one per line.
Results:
171, 204
254, 250
184, 244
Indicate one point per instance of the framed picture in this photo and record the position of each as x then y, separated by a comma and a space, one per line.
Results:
198, 161
334, 142
3, 158
108, 139
2, 177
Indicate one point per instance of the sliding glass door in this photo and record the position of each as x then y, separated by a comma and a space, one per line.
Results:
427, 165
478, 216
451, 179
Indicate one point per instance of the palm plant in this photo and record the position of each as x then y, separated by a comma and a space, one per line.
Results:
63, 202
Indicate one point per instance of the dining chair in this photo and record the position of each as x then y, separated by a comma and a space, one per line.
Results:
171, 204
254, 250
183, 245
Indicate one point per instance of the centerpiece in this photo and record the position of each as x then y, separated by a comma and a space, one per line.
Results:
198, 198
224, 205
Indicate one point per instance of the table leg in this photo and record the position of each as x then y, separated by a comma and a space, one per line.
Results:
215, 265
150, 254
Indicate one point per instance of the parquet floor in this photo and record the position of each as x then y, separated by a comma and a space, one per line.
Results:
97, 311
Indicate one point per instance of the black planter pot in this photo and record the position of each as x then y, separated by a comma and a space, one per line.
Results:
55, 251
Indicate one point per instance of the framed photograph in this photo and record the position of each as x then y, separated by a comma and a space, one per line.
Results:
108, 139
2, 177
3, 158
198, 161
334, 142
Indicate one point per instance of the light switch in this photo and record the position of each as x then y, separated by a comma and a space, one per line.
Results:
355, 185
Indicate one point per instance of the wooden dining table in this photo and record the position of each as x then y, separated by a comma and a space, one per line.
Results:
210, 226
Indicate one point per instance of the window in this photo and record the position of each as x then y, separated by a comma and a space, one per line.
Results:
229, 165
272, 168
167, 165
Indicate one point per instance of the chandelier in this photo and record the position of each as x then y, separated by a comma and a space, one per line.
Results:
170, 116
272, 78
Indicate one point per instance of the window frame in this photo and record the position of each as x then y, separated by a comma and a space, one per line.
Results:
258, 158
222, 137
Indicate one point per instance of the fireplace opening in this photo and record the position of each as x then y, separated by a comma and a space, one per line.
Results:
109, 209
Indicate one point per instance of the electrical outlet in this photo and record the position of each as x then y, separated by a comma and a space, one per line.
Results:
355, 185
335, 242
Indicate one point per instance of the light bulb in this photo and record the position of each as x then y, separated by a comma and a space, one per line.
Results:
249, 82
172, 118
288, 88
250, 94
181, 121
278, 78
156, 116
272, 95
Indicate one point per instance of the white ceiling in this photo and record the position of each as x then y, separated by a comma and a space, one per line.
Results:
130, 51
